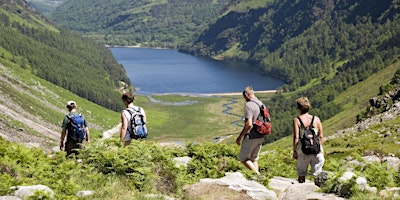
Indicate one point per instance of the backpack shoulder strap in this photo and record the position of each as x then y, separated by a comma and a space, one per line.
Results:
301, 122
256, 103
311, 124
133, 110
70, 118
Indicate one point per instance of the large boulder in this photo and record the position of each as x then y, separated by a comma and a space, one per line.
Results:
245, 189
24, 192
290, 189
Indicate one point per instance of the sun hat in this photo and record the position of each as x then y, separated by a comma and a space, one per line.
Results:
71, 103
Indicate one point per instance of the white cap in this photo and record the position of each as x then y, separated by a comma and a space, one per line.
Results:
71, 103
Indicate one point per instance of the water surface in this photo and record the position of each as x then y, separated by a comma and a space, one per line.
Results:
164, 71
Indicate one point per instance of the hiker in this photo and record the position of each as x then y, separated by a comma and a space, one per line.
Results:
249, 139
73, 141
316, 159
127, 133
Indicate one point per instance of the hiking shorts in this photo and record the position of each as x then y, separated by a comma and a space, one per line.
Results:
316, 162
250, 149
71, 146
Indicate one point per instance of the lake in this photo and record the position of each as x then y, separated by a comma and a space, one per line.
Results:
165, 71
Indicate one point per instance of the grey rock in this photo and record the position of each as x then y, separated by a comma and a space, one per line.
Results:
27, 191
9, 198
182, 161
392, 162
290, 189
237, 182
393, 193
85, 193
321, 178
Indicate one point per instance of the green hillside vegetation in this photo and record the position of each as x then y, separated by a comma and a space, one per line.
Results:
35, 57
144, 168
45, 6
114, 172
355, 100
148, 23
61, 57
319, 49
200, 121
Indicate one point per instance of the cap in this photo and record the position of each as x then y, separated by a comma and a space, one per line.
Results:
71, 103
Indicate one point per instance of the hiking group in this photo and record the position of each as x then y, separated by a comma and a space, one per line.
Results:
307, 140
307, 132
75, 127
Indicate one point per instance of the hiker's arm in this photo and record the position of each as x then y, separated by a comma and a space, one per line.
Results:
87, 134
320, 131
295, 137
247, 126
63, 133
124, 127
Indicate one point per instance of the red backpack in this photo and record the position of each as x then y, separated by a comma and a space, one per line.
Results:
263, 123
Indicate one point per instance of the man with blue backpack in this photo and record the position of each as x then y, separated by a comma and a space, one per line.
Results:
75, 127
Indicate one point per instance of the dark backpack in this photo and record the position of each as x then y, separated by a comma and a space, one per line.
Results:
138, 129
76, 128
309, 139
263, 123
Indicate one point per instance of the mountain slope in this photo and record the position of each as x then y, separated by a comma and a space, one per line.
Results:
29, 104
32, 109
318, 48
61, 57
45, 6
150, 23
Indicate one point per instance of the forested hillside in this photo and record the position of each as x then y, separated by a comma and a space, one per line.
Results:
61, 57
319, 48
166, 23
45, 6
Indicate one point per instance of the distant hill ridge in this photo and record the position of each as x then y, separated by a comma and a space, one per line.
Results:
35, 57
61, 57
325, 46
149, 23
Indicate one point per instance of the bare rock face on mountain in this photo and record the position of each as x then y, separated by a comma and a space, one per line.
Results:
385, 102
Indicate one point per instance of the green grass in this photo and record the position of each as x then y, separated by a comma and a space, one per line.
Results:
372, 139
198, 122
37, 22
243, 6
355, 100
47, 101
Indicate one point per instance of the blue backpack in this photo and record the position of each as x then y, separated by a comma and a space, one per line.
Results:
138, 128
76, 128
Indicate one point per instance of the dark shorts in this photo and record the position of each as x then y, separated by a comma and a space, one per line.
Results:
71, 146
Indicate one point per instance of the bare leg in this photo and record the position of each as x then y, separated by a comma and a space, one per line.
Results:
251, 165
256, 166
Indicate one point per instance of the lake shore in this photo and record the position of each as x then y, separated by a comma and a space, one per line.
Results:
239, 93
207, 94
